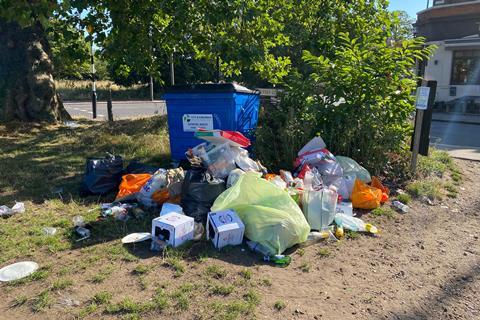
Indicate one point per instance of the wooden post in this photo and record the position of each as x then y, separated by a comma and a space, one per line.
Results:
416, 139
110, 106
425, 99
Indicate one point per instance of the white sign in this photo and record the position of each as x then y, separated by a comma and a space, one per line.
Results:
268, 92
193, 122
422, 98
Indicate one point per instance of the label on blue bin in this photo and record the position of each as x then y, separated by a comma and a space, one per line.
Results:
193, 122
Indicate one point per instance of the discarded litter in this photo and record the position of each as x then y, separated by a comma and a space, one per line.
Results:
365, 197
84, 233
271, 217
49, 231
225, 228
173, 228
102, 175
19, 207
403, 208
170, 207
319, 208
78, 221
354, 224
136, 237
228, 196
17, 271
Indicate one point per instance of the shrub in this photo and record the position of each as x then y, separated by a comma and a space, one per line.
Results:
357, 95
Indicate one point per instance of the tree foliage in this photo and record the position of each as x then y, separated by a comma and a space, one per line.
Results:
354, 88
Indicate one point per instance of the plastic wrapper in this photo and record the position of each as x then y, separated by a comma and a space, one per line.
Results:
243, 161
234, 176
352, 168
271, 217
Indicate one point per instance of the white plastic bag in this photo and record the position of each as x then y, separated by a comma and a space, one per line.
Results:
319, 208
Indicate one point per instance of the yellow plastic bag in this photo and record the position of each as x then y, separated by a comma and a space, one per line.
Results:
271, 217
364, 196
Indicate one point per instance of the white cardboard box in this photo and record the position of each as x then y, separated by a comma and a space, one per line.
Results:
225, 228
175, 228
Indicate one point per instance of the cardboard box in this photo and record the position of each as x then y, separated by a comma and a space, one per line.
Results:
173, 228
225, 228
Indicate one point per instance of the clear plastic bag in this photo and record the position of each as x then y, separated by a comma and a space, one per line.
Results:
319, 208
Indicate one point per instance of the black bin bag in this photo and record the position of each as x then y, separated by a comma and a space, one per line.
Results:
199, 191
102, 175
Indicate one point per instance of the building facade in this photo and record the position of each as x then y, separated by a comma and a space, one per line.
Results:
454, 27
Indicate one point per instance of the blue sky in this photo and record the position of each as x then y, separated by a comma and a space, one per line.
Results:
411, 6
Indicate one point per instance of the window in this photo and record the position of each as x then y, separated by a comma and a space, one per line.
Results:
465, 67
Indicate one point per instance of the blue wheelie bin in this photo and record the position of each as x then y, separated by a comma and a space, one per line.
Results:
225, 106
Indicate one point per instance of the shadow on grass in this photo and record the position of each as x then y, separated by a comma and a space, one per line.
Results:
38, 160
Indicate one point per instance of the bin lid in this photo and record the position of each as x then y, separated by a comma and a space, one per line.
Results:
209, 88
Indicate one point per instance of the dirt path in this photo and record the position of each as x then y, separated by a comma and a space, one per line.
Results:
425, 265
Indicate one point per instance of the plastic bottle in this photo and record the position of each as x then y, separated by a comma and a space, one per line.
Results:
354, 224
279, 259
403, 208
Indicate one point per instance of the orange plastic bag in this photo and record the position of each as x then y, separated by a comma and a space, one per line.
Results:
385, 191
365, 197
132, 183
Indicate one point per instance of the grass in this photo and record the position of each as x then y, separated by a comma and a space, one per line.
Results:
102, 297
349, 234
141, 269
323, 252
61, 284
430, 188
223, 290
430, 170
37, 159
42, 301
88, 310
102, 275
266, 282
81, 90
279, 305
215, 271
38, 275
246, 274
176, 265
301, 252
305, 267
404, 198
452, 190
383, 212
19, 301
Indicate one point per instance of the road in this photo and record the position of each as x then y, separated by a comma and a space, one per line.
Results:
121, 109
461, 139
455, 134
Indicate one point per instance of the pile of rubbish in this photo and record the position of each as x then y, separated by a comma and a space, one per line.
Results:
225, 196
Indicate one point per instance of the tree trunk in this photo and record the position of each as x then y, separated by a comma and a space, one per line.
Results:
27, 89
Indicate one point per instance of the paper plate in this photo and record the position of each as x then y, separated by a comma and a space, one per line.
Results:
136, 237
17, 270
